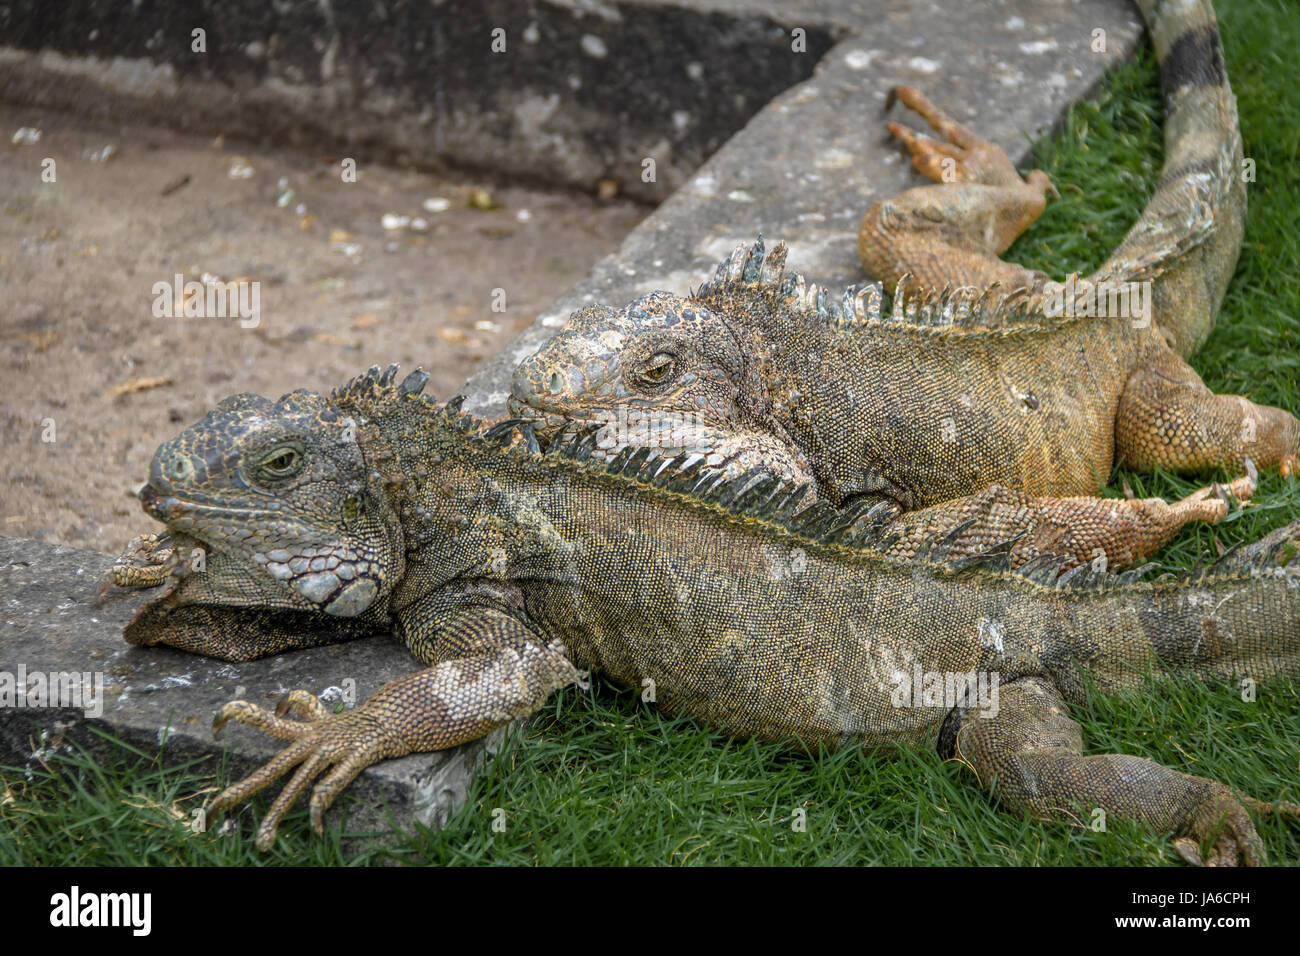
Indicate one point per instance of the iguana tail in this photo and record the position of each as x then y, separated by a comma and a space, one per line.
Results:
1190, 232
1233, 623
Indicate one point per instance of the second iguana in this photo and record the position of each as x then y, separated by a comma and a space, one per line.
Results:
966, 403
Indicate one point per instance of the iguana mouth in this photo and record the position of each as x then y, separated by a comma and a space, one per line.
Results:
186, 515
330, 575
164, 507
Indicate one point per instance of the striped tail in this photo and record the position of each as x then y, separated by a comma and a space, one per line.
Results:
1229, 624
1189, 235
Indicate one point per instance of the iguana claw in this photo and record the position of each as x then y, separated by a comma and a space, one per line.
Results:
347, 742
961, 155
147, 561
1222, 823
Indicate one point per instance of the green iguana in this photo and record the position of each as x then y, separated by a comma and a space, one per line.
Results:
507, 572
924, 408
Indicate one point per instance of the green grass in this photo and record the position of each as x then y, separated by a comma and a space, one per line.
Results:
600, 778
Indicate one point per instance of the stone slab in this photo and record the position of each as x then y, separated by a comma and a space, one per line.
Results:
156, 696
561, 92
807, 166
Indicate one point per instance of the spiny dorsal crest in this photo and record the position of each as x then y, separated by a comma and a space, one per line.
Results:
864, 526
374, 394
756, 494
753, 270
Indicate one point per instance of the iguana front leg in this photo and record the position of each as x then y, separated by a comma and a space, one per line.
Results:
952, 234
1026, 750
146, 562
509, 675
1078, 530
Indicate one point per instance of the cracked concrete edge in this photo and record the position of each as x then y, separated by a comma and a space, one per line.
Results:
808, 164
159, 697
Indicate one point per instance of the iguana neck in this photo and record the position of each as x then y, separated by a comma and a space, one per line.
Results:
774, 370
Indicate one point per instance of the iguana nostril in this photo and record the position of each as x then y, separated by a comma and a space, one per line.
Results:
557, 384
181, 469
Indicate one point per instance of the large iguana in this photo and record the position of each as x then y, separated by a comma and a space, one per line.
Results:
507, 572
926, 406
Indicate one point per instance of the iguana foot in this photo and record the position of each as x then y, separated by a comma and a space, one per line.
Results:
1025, 748
1078, 530
1219, 831
1213, 503
147, 561
347, 742
971, 159
952, 234
450, 703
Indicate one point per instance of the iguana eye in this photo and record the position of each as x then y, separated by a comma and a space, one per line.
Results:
282, 463
658, 368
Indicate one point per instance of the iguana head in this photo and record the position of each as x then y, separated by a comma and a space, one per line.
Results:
725, 361
667, 372
281, 493
662, 353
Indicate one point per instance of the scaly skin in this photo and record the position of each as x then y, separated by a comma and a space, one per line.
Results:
1006, 417
507, 571
1186, 240
922, 410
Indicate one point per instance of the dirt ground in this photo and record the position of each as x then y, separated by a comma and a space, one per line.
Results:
93, 382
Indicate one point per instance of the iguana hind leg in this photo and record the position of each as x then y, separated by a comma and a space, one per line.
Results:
1025, 749
1079, 530
1168, 419
952, 234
